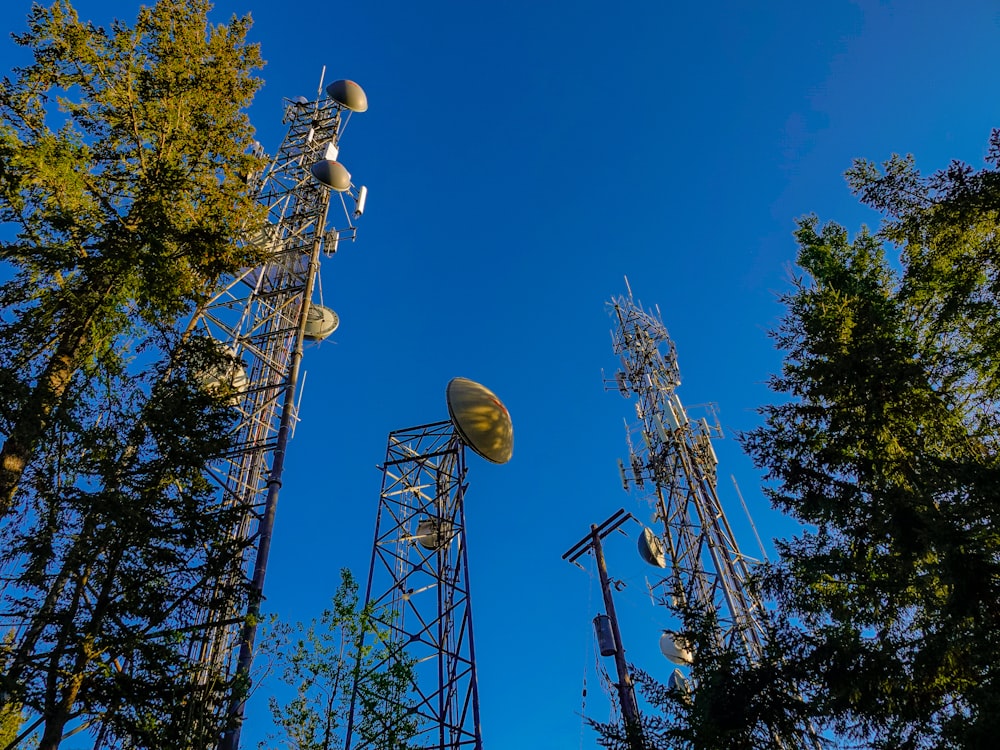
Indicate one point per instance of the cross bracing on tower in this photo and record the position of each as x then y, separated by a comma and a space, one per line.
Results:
421, 592
418, 583
672, 466
262, 319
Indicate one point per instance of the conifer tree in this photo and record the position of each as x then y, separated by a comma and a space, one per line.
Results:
121, 163
122, 156
884, 446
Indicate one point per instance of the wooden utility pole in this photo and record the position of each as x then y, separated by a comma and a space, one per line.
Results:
626, 689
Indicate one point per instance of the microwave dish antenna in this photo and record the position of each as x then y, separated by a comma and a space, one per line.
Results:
673, 467
264, 317
332, 174
348, 94
480, 419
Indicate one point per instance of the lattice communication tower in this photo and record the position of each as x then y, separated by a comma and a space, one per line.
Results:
673, 466
418, 582
263, 319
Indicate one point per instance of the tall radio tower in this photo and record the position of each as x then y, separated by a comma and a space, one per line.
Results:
673, 466
263, 318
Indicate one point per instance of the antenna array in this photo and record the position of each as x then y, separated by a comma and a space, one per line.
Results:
262, 318
673, 466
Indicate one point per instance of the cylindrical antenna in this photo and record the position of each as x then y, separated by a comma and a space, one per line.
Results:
749, 517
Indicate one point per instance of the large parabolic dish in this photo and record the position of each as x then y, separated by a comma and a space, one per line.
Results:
481, 420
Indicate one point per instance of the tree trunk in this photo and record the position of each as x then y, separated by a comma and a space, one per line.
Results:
86, 652
43, 617
34, 417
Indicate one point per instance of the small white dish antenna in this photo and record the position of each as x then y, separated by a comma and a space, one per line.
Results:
433, 533
332, 174
678, 681
651, 548
675, 648
321, 322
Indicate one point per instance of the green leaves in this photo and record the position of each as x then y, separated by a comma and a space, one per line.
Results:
321, 661
121, 160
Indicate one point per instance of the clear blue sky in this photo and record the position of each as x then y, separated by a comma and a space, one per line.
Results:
521, 158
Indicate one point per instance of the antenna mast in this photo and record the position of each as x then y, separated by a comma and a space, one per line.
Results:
673, 466
263, 318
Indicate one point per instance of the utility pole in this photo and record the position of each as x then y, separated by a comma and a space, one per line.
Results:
626, 689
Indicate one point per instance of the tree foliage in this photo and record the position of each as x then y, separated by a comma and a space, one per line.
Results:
730, 698
121, 161
883, 444
321, 662
885, 447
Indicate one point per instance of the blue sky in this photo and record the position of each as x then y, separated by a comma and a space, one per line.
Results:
521, 158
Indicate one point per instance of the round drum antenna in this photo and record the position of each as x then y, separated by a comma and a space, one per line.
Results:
348, 94
333, 174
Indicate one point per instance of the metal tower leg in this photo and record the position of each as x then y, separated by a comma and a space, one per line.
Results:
418, 593
262, 318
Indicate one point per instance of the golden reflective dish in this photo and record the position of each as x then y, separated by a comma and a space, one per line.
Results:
481, 420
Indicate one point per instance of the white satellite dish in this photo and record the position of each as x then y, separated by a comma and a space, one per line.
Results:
678, 682
348, 94
333, 174
675, 648
320, 322
433, 533
226, 377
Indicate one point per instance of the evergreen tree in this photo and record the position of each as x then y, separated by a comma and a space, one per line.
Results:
731, 698
121, 163
10, 713
885, 447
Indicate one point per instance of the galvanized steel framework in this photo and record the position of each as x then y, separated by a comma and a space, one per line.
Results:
260, 317
672, 465
418, 588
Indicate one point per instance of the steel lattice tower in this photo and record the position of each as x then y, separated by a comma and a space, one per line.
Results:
673, 466
263, 317
418, 581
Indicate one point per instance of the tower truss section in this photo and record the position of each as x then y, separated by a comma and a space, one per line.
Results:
262, 318
673, 466
418, 593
